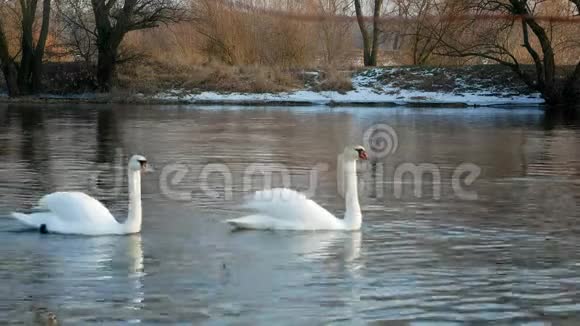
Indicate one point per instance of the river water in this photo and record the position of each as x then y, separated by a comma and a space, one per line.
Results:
487, 230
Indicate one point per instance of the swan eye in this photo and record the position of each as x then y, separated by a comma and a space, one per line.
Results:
143, 163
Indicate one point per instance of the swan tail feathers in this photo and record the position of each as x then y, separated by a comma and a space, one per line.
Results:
246, 222
25, 219
239, 225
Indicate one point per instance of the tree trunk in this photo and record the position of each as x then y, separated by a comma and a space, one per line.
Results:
36, 64
109, 38
105, 70
571, 91
546, 65
27, 48
376, 32
367, 47
11, 76
551, 93
30, 69
36, 75
370, 44
8, 65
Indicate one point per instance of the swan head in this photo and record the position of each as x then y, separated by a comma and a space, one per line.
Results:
356, 153
139, 163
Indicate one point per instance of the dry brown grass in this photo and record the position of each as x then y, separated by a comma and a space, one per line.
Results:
177, 44
153, 76
332, 79
246, 37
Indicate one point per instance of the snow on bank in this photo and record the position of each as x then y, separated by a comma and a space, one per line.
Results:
368, 90
392, 86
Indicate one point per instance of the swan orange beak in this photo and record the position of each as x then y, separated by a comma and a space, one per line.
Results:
363, 155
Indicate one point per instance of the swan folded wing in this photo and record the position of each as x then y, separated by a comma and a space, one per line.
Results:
75, 206
291, 207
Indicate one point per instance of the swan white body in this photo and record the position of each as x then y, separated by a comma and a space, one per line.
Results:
79, 213
286, 209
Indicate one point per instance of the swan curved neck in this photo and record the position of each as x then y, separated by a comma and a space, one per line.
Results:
133, 222
353, 215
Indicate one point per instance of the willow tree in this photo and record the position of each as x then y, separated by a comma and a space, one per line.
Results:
23, 72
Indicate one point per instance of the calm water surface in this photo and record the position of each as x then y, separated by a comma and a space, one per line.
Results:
510, 256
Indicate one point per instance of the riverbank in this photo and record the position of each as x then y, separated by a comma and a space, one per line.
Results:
387, 86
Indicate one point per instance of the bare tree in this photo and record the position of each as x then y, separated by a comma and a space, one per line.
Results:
426, 22
78, 36
334, 31
113, 20
24, 77
492, 42
370, 35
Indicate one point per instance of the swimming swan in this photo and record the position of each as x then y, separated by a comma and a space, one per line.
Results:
286, 209
79, 213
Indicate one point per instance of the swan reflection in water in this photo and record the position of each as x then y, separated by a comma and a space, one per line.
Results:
306, 258
87, 274
309, 246
332, 246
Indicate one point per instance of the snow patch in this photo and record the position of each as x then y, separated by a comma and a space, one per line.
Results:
367, 90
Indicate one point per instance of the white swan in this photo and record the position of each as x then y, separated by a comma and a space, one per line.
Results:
286, 209
79, 213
